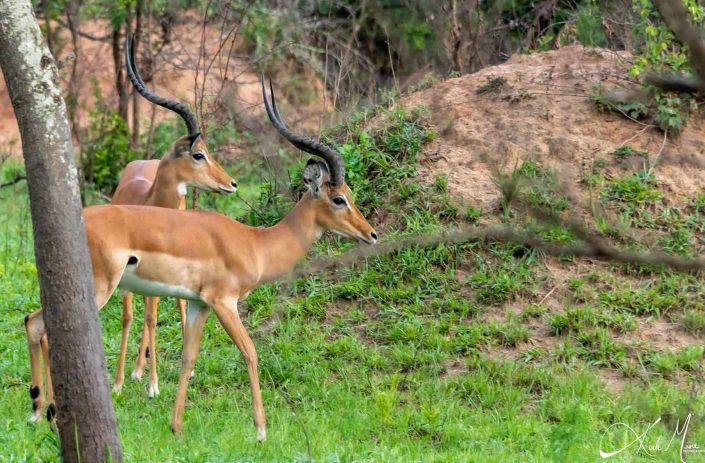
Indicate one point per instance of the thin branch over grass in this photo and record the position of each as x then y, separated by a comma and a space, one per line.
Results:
591, 246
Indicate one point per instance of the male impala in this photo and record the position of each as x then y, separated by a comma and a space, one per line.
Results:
210, 260
163, 183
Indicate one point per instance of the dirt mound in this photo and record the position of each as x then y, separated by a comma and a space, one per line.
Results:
539, 107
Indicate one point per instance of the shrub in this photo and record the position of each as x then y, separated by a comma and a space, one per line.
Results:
109, 152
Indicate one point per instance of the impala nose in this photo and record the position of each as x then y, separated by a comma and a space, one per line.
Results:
373, 235
233, 184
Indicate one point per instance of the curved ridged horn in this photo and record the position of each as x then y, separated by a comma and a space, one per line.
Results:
336, 166
179, 108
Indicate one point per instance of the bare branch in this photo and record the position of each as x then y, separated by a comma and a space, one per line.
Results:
676, 82
86, 35
17, 179
591, 247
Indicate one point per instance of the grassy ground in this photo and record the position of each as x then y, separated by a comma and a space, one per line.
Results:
470, 352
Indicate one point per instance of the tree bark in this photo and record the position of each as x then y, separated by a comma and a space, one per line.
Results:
134, 139
120, 80
85, 411
74, 21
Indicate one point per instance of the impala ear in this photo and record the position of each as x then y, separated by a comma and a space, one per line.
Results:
182, 147
313, 177
193, 138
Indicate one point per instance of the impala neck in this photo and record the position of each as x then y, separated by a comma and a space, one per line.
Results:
284, 244
165, 189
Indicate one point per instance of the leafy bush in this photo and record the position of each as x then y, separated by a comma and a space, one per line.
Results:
381, 159
109, 152
165, 133
263, 27
657, 47
588, 26
668, 111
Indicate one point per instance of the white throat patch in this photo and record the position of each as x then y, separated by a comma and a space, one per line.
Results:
181, 189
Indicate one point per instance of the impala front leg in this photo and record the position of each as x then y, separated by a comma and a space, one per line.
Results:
127, 316
230, 319
195, 321
150, 320
143, 351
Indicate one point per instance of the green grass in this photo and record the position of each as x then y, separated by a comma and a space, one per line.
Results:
424, 354
628, 151
635, 188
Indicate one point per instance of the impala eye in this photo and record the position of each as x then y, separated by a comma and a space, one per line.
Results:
339, 201
198, 156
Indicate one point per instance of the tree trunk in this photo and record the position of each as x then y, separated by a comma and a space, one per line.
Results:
47, 24
74, 21
120, 80
134, 140
85, 411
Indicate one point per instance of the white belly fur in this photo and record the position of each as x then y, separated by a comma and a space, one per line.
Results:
135, 284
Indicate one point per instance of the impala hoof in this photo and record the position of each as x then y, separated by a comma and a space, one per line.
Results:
117, 388
137, 375
36, 416
261, 435
51, 412
153, 390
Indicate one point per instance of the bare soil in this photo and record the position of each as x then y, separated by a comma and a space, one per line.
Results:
544, 112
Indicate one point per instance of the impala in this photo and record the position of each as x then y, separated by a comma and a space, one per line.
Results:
211, 260
162, 183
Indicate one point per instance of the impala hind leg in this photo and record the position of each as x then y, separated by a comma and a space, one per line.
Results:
230, 319
127, 316
195, 321
150, 321
51, 409
182, 309
34, 326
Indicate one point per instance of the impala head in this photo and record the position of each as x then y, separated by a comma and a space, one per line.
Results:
194, 166
325, 181
189, 154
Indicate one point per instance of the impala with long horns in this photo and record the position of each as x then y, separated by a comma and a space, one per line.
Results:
211, 260
162, 183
